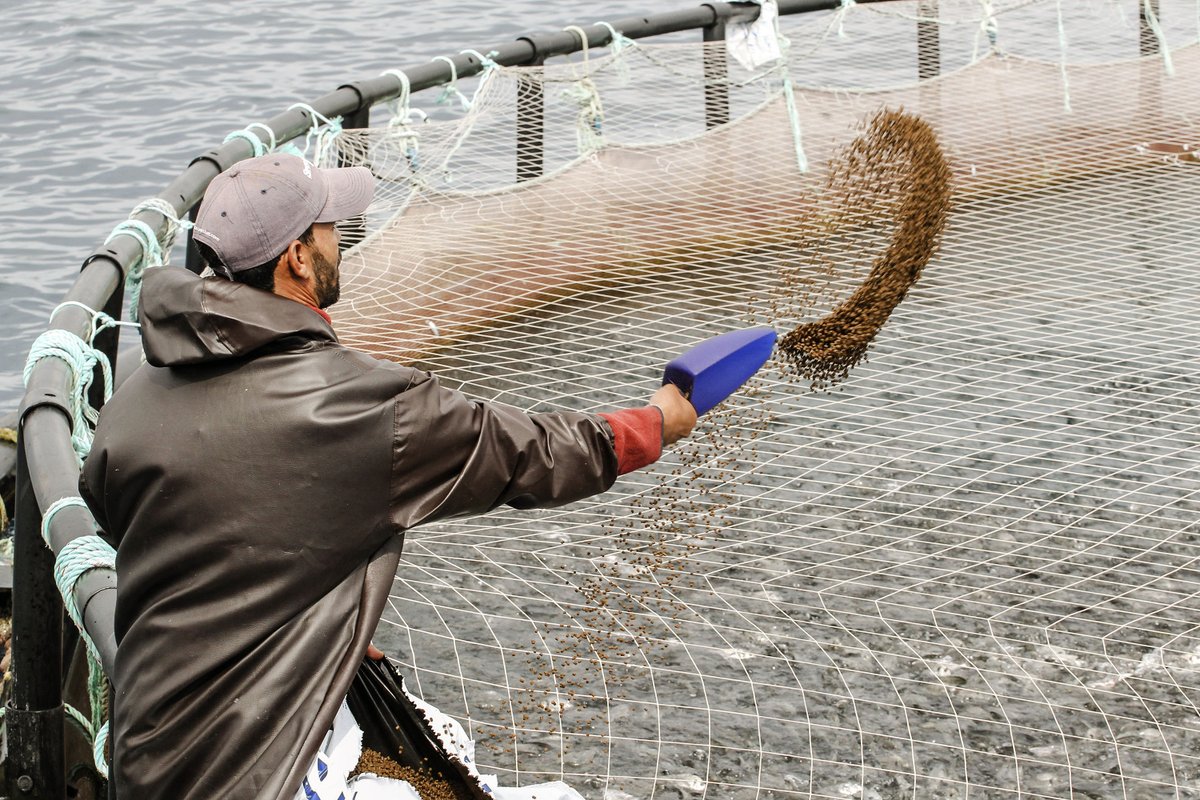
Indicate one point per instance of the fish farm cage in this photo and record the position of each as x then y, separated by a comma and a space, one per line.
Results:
968, 568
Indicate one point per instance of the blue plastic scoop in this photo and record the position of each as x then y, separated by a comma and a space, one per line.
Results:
715, 368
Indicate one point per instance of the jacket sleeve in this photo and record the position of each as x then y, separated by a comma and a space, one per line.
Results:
637, 436
454, 456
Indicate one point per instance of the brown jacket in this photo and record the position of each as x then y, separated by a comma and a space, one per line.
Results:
258, 478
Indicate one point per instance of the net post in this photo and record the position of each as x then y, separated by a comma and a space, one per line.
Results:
34, 715
716, 71
531, 122
1147, 41
929, 46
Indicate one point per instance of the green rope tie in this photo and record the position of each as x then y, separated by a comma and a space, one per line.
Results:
989, 26
589, 122
98, 739
321, 138
399, 125
845, 6
617, 44
789, 96
82, 359
78, 557
175, 223
789, 92
152, 256
83, 723
247, 135
402, 100
490, 68
99, 320
451, 91
98, 749
616, 40
486, 62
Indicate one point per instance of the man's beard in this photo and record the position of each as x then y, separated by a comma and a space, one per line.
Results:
329, 279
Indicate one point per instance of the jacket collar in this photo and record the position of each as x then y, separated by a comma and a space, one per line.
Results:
187, 319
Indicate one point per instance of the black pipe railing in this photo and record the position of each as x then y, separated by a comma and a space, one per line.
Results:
47, 469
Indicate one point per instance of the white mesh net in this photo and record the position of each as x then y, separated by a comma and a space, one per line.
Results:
971, 569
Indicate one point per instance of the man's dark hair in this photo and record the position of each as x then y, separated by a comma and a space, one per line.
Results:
260, 277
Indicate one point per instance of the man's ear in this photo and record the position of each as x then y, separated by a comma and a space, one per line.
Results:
297, 262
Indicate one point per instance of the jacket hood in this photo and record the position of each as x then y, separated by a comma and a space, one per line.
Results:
187, 319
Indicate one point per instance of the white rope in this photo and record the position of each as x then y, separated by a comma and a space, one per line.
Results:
1163, 46
400, 124
840, 17
257, 148
99, 321
174, 222
589, 121
450, 90
1062, 61
467, 124
151, 256
322, 136
989, 27
618, 45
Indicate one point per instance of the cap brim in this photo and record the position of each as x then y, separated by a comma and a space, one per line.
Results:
350, 192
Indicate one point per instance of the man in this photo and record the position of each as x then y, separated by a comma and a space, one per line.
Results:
259, 477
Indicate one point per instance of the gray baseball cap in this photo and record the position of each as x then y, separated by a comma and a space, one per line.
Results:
252, 211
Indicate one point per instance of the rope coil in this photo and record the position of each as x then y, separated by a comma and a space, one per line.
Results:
152, 256
81, 359
78, 557
174, 222
257, 147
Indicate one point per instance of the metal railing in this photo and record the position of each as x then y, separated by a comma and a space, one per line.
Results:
47, 469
